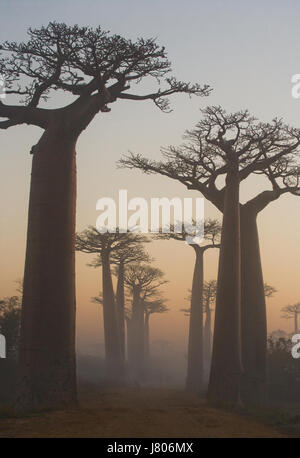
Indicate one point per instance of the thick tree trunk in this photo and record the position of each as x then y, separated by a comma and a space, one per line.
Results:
47, 378
113, 354
253, 312
120, 299
226, 366
194, 379
207, 339
137, 326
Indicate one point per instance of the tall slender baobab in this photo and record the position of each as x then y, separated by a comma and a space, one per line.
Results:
143, 281
151, 307
212, 230
105, 244
209, 298
120, 257
292, 311
97, 68
235, 146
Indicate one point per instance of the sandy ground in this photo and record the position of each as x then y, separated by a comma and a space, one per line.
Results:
137, 412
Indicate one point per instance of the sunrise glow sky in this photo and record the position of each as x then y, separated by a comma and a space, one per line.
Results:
248, 52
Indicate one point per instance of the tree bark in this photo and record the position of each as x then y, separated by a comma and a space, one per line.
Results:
253, 312
226, 366
194, 379
207, 339
120, 299
47, 373
113, 355
137, 327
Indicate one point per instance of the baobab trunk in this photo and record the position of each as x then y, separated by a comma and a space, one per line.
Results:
47, 373
120, 299
253, 312
113, 355
137, 327
226, 366
194, 379
207, 339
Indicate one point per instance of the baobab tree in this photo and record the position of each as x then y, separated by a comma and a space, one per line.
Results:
212, 230
234, 146
96, 69
209, 298
292, 311
143, 281
269, 290
151, 307
104, 245
120, 257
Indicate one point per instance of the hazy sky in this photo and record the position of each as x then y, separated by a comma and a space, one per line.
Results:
247, 51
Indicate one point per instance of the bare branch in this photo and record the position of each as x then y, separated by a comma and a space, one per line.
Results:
85, 62
221, 140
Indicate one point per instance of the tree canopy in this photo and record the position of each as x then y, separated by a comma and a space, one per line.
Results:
93, 65
220, 140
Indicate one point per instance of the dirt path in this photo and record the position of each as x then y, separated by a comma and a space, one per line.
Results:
145, 412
